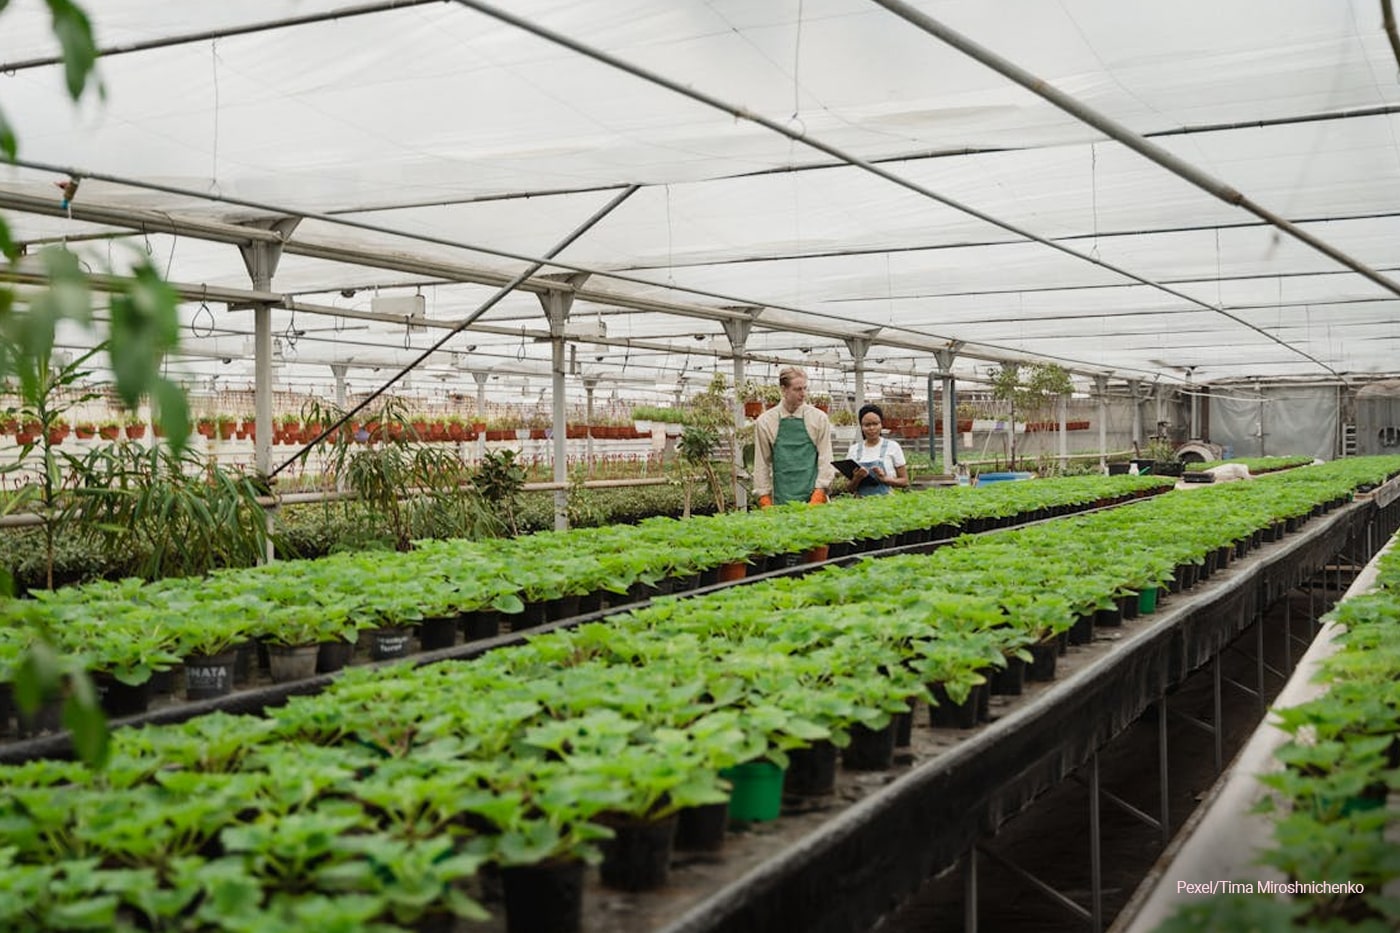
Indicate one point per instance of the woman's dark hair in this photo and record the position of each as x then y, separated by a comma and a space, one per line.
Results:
867, 409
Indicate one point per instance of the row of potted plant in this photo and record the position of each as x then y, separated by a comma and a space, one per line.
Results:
28, 431
375, 801
304, 602
1329, 800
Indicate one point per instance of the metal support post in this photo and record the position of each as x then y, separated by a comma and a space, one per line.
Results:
1095, 853
1136, 813
1030, 879
339, 370
1259, 650
1063, 433
1217, 725
1162, 770
1312, 614
970, 890
480, 378
945, 360
1133, 390
557, 303
859, 347
1101, 384
737, 330
1288, 630
260, 258
590, 384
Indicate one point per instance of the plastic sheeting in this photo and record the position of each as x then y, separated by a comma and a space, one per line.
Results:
1282, 421
433, 120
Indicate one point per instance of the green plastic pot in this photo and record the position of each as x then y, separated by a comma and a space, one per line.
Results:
1147, 600
758, 791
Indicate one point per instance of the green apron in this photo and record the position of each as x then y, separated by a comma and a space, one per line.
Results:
794, 462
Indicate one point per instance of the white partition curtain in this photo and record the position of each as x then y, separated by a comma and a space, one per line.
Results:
1278, 421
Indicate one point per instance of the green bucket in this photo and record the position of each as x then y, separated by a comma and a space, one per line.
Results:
758, 791
1147, 600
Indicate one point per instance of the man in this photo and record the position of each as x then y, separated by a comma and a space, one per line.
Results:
792, 447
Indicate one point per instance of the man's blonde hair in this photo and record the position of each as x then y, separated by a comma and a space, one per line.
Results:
790, 373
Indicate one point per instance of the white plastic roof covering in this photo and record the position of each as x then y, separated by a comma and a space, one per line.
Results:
435, 120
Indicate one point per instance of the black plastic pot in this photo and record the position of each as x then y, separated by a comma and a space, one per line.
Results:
1009, 680
904, 728
943, 713
783, 561
870, 749
534, 615
437, 633
638, 856
1082, 632
1128, 607
1108, 618
386, 644
563, 607
544, 898
209, 675
162, 682
484, 623
1044, 654
331, 656
811, 771
118, 699
7, 708
943, 531
702, 829
245, 655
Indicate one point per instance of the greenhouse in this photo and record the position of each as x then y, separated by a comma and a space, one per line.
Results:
832, 465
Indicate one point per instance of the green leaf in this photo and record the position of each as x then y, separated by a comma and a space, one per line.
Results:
173, 410
83, 718
74, 32
144, 325
91, 913
37, 676
508, 603
9, 147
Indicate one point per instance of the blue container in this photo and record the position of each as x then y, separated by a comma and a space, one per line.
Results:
984, 478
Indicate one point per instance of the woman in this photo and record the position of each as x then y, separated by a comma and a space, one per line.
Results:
881, 459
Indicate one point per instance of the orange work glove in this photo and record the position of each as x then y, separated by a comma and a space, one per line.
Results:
765, 501
818, 497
